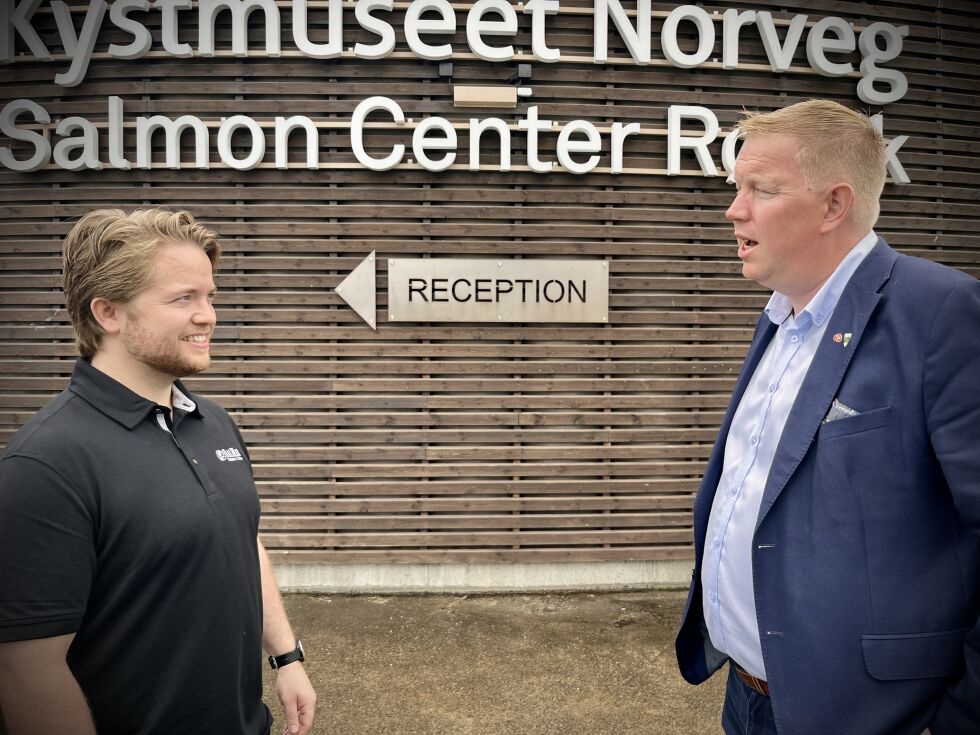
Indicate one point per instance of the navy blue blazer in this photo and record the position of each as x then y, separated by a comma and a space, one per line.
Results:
866, 553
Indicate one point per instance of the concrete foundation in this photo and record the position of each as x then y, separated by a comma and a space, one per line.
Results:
472, 578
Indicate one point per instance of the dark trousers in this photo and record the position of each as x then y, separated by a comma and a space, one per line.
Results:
746, 711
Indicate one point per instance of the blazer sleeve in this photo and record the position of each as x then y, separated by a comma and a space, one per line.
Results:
951, 392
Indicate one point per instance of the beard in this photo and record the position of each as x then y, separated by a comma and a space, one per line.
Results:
162, 354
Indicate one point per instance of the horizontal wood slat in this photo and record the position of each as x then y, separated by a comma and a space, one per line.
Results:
467, 443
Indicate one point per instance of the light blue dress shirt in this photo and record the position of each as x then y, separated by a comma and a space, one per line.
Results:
726, 573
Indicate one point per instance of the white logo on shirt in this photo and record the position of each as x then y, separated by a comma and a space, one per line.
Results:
228, 455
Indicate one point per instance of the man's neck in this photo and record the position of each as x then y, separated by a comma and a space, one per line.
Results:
139, 378
837, 249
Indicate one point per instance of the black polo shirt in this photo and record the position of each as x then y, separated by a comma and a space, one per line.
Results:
138, 534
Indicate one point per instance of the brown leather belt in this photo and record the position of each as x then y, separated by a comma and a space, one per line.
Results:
752, 682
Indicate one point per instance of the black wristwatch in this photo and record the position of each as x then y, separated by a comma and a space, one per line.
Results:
277, 662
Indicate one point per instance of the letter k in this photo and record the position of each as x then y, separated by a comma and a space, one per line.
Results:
18, 20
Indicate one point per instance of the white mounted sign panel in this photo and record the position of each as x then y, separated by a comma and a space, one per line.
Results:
497, 290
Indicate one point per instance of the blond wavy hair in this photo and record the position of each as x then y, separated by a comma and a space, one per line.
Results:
836, 144
109, 254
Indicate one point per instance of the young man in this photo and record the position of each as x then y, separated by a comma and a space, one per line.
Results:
837, 527
134, 594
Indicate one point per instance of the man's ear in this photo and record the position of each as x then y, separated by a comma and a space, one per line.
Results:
838, 202
108, 314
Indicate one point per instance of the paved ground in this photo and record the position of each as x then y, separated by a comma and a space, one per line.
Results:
576, 664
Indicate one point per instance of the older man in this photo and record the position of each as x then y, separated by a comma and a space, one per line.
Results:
837, 527
134, 595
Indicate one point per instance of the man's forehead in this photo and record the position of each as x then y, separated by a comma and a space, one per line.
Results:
176, 263
766, 155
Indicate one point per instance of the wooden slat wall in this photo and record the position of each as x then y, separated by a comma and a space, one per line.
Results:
466, 443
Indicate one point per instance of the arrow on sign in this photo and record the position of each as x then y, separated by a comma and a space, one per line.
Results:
358, 290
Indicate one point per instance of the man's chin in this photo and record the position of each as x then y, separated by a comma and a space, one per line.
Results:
189, 367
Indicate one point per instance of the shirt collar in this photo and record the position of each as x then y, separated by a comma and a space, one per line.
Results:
182, 400
822, 305
117, 401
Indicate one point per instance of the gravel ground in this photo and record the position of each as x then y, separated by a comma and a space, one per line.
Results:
577, 664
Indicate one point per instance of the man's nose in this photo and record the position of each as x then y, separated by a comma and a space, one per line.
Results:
205, 313
736, 210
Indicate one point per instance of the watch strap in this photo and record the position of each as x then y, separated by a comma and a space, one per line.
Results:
277, 662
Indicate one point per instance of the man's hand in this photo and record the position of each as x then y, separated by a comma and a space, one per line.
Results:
297, 697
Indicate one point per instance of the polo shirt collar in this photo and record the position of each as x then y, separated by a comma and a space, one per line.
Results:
117, 401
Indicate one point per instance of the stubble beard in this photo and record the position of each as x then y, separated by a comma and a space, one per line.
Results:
161, 355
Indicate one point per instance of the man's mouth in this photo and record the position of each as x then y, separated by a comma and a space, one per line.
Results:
745, 244
197, 339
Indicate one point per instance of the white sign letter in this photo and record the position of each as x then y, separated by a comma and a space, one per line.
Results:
732, 24
637, 40
871, 54
284, 126
335, 30
780, 57
145, 127
619, 134
240, 12
476, 28
227, 129
8, 120
539, 10
142, 40
706, 36
817, 46
357, 133
82, 47
675, 141
445, 142
169, 26
532, 125
362, 11
476, 130
415, 26
567, 146
18, 20
88, 142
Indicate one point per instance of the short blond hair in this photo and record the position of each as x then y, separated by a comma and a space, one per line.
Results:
836, 144
109, 254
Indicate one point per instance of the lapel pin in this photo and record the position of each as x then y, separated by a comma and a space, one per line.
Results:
838, 337
847, 338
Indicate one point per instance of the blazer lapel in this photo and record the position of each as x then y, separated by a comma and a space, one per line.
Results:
857, 304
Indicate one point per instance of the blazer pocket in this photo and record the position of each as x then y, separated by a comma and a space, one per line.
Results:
866, 421
914, 655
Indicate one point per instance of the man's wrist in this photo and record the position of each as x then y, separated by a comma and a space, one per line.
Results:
293, 656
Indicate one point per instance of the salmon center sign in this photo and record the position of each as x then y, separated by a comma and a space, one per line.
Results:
687, 36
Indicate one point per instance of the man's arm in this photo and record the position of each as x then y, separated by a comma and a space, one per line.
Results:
953, 418
38, 692
292, 684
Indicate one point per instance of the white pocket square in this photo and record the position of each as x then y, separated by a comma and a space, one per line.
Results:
837, 411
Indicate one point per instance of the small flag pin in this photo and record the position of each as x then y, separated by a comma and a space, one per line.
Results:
847, 338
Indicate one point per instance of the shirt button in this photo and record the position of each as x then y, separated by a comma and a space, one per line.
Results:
194, 461
714, 597
794, 338
754, 440
716, 544
772, 387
